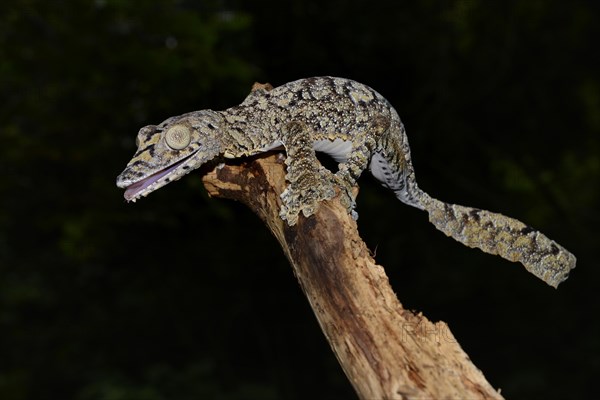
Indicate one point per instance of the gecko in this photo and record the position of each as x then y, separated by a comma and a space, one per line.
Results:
354, 125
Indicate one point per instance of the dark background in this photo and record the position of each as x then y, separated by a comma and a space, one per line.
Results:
184, 297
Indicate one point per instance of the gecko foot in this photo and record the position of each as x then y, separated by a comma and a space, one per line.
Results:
303, 195
347, 194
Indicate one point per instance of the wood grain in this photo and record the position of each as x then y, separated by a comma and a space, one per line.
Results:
387, 352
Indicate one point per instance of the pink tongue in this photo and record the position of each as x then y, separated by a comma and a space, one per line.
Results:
137, 187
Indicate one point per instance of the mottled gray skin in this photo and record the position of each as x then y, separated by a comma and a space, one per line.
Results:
359, 129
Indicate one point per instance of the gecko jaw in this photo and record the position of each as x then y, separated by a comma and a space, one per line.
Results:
150, 183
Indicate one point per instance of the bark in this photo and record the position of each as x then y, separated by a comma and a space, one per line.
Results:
387, 352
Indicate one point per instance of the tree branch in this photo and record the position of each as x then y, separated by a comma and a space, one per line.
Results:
387, 352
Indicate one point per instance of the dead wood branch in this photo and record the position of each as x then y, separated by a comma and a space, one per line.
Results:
387, 352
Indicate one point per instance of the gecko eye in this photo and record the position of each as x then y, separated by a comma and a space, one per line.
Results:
178, 137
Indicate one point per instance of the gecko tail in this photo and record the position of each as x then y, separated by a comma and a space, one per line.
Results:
501, 235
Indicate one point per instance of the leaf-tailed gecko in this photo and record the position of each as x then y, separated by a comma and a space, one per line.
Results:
358, 128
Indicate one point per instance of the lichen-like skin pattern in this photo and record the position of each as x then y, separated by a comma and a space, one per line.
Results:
357, 127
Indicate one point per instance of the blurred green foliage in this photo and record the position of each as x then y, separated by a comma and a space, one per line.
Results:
184, 297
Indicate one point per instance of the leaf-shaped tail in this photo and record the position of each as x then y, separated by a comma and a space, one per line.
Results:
507, 237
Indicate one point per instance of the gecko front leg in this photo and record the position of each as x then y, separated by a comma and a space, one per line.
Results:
309, 181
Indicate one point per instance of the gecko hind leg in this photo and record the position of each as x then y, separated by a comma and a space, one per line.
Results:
357, 161
349, 172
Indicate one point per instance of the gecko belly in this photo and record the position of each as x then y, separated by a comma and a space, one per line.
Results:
338, 149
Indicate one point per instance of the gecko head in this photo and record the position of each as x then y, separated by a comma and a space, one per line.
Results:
170, 150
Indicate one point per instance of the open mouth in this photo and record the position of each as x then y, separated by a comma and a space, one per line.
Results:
152, 182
